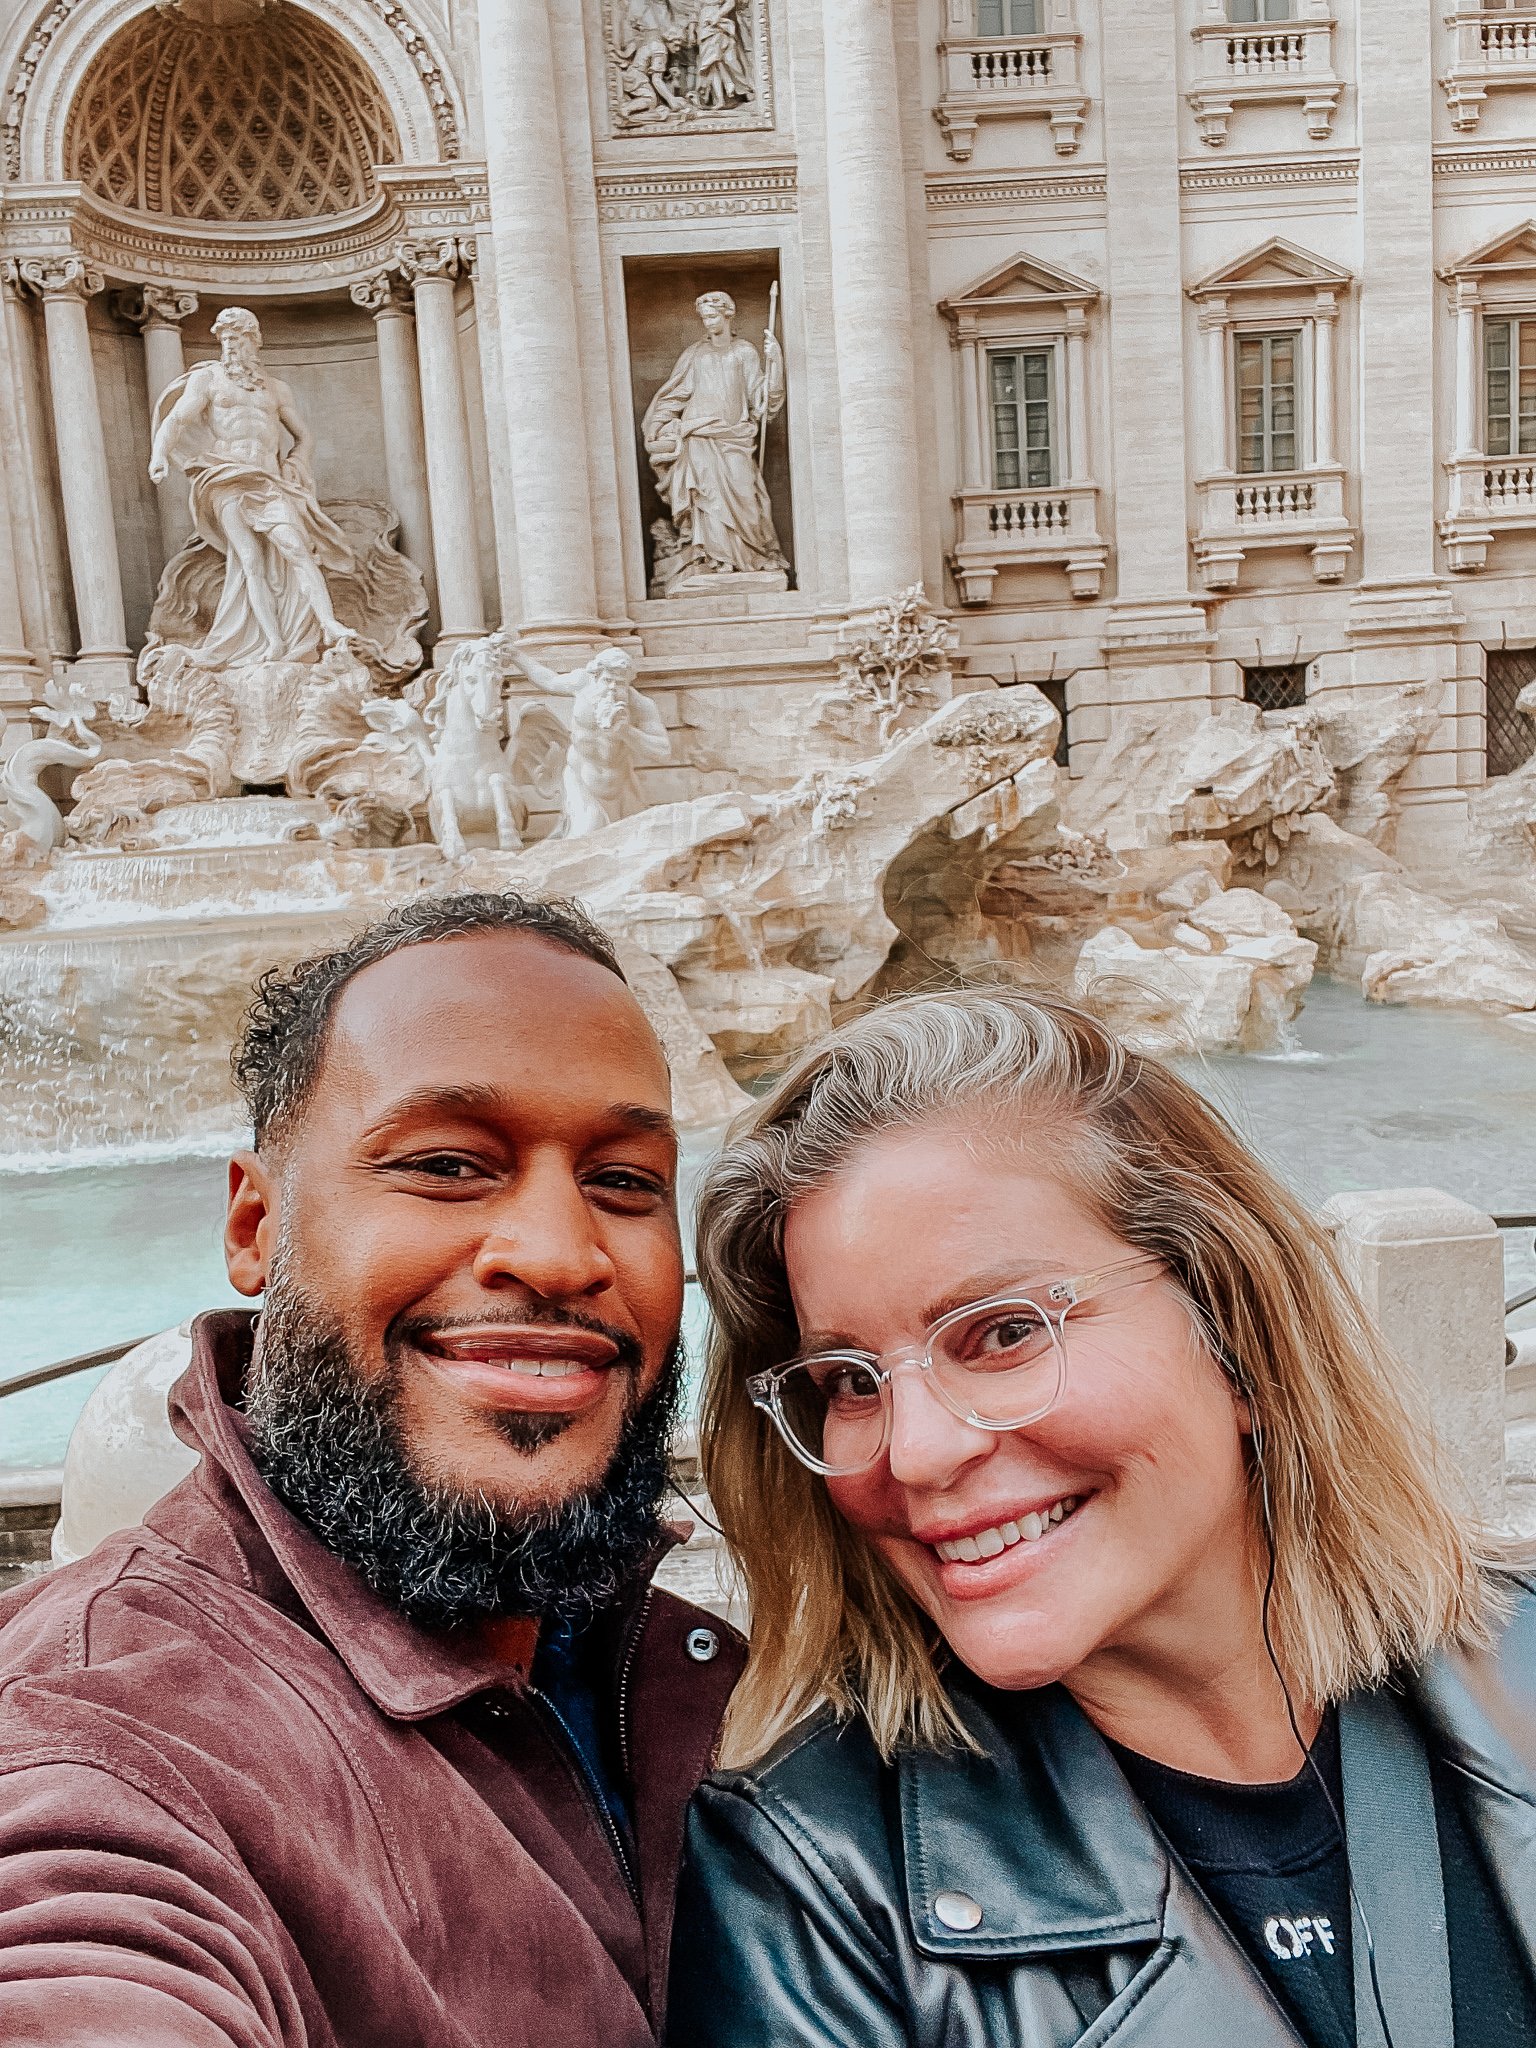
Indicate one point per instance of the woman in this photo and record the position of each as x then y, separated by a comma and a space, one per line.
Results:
1102, 1586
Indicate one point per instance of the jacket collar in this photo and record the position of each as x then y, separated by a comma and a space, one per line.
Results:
1069, 1811
1480, 1714
407, 1672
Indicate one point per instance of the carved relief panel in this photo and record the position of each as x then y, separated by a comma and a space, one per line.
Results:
687, 66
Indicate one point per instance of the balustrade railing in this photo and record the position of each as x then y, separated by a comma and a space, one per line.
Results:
1510, 486
1029, 529
1509, 39
1010, 67
1042, 515
1275, 500
1266, 54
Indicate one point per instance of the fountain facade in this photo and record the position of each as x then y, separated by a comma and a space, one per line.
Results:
673, 490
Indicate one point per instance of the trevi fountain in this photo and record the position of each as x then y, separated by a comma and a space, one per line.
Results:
874, 608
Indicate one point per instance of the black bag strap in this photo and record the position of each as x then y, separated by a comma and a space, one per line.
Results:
1395, 1875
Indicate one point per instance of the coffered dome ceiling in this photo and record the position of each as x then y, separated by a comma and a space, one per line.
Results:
269, 118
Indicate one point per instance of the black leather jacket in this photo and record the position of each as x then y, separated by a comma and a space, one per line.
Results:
813, 1912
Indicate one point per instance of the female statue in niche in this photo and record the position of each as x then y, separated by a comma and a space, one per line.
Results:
702, 432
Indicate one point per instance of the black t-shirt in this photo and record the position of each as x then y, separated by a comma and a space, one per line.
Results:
1272, 1862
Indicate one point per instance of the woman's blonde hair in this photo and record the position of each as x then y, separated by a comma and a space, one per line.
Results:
1377, 1558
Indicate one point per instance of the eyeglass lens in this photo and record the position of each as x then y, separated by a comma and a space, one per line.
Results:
1001, 1363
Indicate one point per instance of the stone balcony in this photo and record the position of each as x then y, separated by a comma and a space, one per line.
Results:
1489, 495
998, 78
1494, 52
1055, 528
1295, 509
1253, 63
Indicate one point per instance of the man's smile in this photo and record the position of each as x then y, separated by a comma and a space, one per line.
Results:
522, 1365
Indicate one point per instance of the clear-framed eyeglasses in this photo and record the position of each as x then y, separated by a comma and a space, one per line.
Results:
999, 1364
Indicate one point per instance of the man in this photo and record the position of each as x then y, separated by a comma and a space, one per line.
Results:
224, 423
373, 1734
701, 434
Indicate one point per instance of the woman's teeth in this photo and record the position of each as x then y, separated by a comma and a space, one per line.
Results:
993, 1542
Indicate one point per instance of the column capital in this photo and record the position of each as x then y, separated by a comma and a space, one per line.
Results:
58, 277
418, 261
1465, 294
154, 305
380, 293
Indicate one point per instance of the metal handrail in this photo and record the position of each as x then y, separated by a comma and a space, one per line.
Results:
42, 1375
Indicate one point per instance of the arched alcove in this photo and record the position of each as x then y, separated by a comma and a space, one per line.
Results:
268, 117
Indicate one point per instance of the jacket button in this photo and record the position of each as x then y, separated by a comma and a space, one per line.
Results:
957, 1910
703, 1645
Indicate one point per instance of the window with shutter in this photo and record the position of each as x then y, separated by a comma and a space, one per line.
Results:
1266, 402
1023, 401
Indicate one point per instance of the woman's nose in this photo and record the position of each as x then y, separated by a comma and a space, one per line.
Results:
929, 1442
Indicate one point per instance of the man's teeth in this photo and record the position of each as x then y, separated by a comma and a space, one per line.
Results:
993, 1542
542, 1368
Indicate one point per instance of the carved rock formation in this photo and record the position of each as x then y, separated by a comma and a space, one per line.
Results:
1231, 975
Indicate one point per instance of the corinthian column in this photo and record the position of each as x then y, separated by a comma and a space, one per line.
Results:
64, 283
871, 300
540, 340
405, 442
158, 311
430, 268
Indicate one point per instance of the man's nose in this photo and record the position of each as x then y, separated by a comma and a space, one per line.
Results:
930, 1444
542, 1234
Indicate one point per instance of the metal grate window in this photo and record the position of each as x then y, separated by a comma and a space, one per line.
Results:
1511, 733
1278, 686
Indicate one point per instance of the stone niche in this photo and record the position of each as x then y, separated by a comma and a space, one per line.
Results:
659, 295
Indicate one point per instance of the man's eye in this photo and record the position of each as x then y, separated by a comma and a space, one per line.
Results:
439, 1166
625, 1180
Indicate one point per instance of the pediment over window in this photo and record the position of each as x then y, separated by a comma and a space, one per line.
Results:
1277, 266
1512, 254
1021, 285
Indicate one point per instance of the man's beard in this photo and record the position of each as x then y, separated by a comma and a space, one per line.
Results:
243, 364
330, 1444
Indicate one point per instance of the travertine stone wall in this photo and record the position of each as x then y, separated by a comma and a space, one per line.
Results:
846, 148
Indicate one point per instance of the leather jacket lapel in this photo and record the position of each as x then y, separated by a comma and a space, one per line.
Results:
1481, 1713
1045, 1796
1068, 1813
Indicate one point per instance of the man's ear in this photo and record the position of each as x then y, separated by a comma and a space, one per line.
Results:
250, 1222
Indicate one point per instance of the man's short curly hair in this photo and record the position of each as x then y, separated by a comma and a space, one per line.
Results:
278, 1054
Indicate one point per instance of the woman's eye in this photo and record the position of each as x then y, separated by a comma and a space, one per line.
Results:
1007, 1333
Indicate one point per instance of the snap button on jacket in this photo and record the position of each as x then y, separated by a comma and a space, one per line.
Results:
246, 1804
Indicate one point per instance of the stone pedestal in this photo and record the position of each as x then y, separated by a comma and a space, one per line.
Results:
1430, 1270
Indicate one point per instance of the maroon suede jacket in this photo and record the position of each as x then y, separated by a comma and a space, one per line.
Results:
243, 1801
